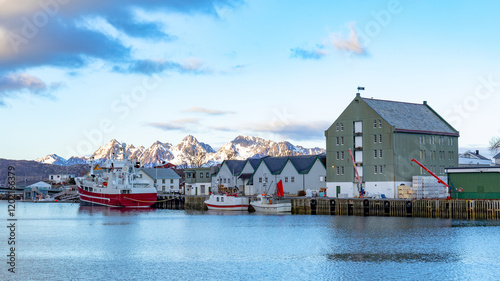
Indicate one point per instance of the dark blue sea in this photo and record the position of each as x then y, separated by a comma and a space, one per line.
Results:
59, 241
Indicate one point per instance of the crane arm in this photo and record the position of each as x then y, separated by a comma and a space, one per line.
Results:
428, 171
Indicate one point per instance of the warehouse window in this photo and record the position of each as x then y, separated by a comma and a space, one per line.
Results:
293, 178
260, 179
342, 156
338, 155
337, 127
380, 169
286, 179
338, 171
341, 126
380, 139
338, 141
380, 153
342, 140
375, 168
342, 170
379, 123
374, 138
374, 123
375, 153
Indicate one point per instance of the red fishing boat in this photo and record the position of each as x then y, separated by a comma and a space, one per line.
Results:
116, 184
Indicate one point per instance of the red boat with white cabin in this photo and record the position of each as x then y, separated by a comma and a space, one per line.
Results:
116, 184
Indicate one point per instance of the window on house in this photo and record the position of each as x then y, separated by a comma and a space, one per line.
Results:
171, 180
265, 179
421, 154
375, 168
338, 170
342, 156
380, 139
375, 138
375, 153
380, 169
293, 178
163, 181
286, 179
217, 199
425, 156
379, 123
342, 168
338, 141
208, 175
225, 180
342, 140
260, 179
321, 178
341, 126
374, 123
337, 127
380, 153
201, 175
338, 155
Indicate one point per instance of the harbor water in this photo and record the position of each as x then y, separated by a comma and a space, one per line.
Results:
72, 242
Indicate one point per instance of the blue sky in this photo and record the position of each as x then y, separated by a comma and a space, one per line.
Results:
75, 74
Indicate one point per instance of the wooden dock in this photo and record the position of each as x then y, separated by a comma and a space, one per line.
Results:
427, 208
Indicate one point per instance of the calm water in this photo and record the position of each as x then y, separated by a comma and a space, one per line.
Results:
69, 242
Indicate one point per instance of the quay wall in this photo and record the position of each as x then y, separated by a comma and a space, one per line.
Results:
429, 208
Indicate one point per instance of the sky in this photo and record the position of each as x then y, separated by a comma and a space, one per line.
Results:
76, 74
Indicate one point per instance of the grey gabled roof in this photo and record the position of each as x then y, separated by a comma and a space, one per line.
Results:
254, 162
304, 163
275, 164
161, 173
496, 156
473, 154
235, 166
411, 117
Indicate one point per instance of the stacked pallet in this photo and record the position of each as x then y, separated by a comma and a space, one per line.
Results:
429, 187
406, 192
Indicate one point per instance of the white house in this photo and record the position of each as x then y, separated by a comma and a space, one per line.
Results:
297, 173
235, 174
60, 178
165, 180
470, 158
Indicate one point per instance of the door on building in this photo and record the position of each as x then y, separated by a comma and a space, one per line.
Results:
338, 191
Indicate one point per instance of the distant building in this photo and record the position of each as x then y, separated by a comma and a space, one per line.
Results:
165, 180
198, 181
166, 166
469, 158
61, 178
383, 137
496, 158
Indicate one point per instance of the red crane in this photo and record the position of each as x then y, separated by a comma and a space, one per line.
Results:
434, 175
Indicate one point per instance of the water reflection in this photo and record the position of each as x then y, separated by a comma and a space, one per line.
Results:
393, 257
108, 211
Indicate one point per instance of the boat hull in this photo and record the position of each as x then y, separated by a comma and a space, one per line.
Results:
273, 208
134, 200
227, 203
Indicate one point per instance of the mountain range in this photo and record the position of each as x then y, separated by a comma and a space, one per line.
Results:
190, 152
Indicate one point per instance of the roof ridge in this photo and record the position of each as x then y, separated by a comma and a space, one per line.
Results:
392, 101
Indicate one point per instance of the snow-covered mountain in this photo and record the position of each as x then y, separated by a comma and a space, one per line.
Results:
191, 152
52, 159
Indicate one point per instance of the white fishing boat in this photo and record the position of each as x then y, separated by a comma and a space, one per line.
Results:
227, 202
268, 204
272, 204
